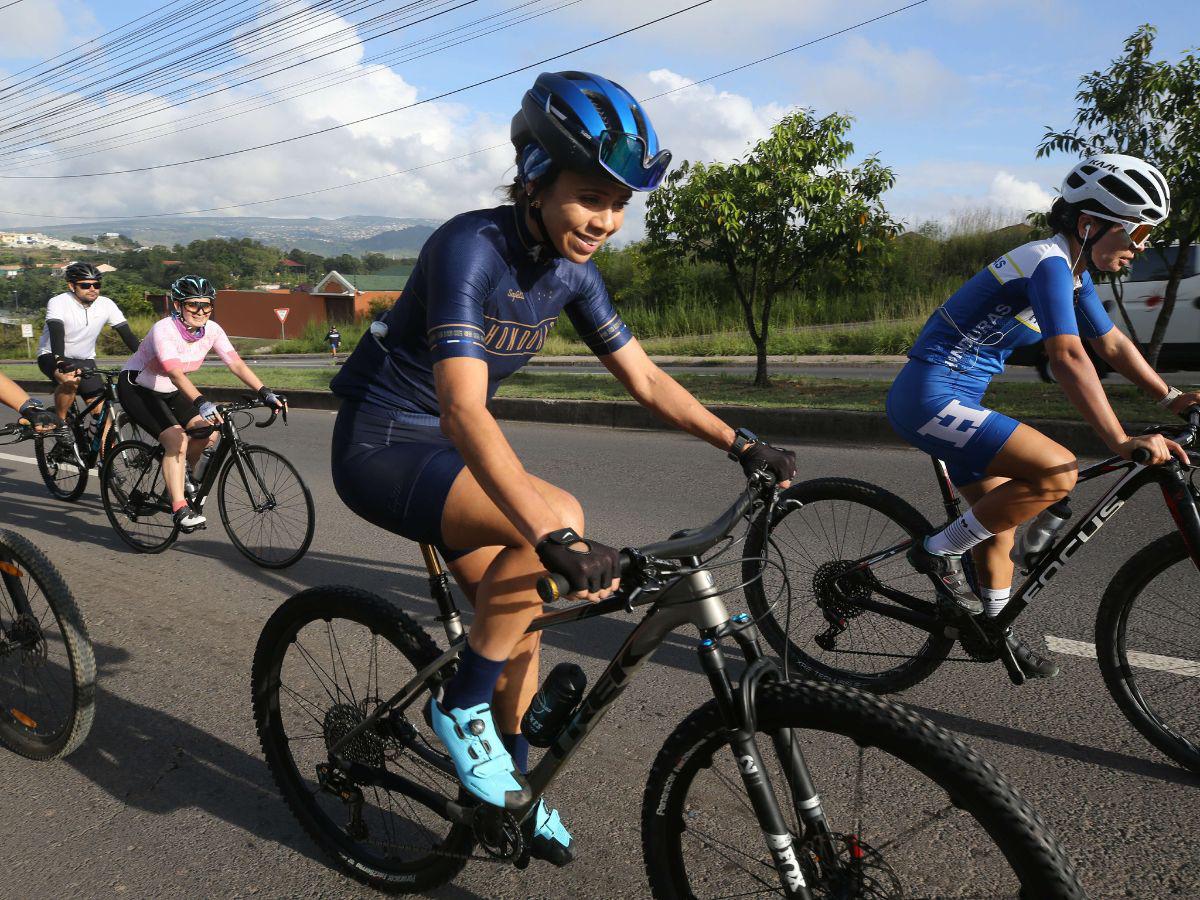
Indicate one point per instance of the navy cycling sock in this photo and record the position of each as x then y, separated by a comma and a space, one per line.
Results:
475, 681
518, 748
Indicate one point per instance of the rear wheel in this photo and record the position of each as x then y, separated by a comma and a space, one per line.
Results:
47, 668
135, 497
914, 812
323, 663
1147, 644
266, 507
807, 607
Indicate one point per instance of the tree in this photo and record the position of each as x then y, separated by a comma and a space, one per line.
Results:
788, 207
1148, 109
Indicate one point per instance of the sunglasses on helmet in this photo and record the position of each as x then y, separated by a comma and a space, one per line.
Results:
1137, 232
626, 157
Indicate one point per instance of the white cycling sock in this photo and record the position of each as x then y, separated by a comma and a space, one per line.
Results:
958, 537
995, 599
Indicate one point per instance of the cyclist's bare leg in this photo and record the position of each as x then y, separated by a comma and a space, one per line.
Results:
505, 591
195, 446
1040, 472
64, 394
993, 562
519, 680
174, 442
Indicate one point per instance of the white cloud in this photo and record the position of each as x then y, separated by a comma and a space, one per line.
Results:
947, 190
870, 78
36, 29
1010, 193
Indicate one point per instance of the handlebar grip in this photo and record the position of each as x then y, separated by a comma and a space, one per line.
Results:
551, 587
1141, 456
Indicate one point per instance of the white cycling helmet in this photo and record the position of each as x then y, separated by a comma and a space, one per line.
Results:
1124, 187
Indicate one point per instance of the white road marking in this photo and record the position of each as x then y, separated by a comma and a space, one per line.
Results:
14, 458
1172, 664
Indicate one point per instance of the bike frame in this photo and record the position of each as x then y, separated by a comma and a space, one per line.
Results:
692, 598
1171, 478
107, 420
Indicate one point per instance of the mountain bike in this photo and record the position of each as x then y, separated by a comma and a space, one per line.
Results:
341, 677
64, 461
860, 619
47, 667
264, 504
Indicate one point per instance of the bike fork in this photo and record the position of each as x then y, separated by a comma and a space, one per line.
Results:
778, 836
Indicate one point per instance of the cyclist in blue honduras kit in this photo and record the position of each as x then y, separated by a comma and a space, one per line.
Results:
416, 451
1008, 471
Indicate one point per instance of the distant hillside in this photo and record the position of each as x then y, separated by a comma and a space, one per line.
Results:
355, 235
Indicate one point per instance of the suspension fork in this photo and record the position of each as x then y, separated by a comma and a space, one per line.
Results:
750, 763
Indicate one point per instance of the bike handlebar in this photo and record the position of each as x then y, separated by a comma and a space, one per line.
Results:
684, 545
1185, 438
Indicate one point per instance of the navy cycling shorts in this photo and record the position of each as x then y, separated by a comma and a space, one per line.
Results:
395, 475
941, 412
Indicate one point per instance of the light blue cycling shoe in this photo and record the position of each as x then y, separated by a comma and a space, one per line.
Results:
548, 839
483, 765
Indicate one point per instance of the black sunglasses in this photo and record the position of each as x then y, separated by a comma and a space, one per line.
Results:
88, 285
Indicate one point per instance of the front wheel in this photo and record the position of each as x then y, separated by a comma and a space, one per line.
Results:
58, 460
266, 507
326, 659
1147, 643
808, 608
47, 668
914, 812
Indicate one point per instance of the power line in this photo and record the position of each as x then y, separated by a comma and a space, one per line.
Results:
338, 187
379, 115
7, 5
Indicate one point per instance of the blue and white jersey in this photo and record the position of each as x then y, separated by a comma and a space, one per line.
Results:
480, 289
1026, 295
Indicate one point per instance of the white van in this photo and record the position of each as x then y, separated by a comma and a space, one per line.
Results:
1144, 289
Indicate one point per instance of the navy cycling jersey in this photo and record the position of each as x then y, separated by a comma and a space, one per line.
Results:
480, 290
1026, 295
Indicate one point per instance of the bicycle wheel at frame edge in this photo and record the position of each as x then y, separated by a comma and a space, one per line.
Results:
301, 708
291, 521
134, 506
64, 478
23, 719
1147, 643
973, 835
822, 525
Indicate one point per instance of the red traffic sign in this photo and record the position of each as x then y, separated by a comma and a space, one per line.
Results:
282, 313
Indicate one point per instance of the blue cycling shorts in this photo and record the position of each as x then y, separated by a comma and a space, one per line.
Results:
395, 475
941, 412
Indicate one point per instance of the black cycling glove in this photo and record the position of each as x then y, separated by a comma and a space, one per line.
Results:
269, 397
588, 570
761, 455
37, 415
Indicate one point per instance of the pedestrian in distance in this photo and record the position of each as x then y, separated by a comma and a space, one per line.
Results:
333, 337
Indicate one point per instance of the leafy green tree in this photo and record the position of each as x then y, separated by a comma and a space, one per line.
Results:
790, 206
1146, 108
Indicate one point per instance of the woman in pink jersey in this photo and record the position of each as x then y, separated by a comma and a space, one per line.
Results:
156, 392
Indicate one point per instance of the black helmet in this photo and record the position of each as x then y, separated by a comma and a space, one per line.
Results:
191, 287
81, 271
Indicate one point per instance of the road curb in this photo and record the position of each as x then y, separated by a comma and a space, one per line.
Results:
823, 426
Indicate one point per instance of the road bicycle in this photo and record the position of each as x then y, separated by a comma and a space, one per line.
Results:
860, 615
64, 461
264, 504
341, 677
47, 667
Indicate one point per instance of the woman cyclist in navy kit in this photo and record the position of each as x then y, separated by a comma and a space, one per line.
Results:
1043, 290
416, 451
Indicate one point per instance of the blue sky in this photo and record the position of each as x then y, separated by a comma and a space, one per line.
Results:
954, 94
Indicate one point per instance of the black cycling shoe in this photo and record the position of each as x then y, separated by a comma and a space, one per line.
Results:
1032, 663
949, 573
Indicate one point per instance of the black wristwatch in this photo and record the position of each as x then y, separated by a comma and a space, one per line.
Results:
564, 537
742, 438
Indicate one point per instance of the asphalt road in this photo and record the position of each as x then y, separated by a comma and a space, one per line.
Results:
170, 795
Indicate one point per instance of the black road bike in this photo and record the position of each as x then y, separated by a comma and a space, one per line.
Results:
860, 615
264, 504
47, 668
64, 461
731, 807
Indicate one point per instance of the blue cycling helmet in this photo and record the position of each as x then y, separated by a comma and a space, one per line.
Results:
587, 123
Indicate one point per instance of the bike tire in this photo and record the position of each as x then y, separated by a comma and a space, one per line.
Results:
871, 643
1139, 650
34, 570
61, 483
328, 605
294, 529
138, 466
973, 795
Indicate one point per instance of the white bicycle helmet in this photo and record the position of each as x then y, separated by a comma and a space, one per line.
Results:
1124, 187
